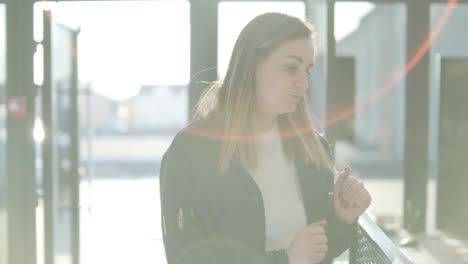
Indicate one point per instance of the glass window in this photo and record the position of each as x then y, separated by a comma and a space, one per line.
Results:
3, 212
448, 125
371, 59
134, 69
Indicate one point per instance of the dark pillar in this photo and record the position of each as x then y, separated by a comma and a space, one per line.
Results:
203, 48
416, 120
331, 73
452, 197
75, 154
21, 185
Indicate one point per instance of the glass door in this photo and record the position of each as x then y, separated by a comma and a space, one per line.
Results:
60, 146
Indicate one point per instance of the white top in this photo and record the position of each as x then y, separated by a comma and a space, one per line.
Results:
276, 177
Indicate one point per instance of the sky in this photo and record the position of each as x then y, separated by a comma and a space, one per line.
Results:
124, 45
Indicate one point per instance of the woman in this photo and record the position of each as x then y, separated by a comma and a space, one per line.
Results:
251, 181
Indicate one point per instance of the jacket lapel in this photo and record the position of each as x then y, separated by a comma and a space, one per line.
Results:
313, 190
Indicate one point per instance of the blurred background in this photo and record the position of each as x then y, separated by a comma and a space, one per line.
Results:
93, 92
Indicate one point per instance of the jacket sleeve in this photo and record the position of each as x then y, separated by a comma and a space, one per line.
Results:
340, 234
179, 227
186, 239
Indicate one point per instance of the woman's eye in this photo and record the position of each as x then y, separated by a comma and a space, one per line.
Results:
291, 69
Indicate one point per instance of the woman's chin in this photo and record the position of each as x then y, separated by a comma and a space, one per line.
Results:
290, 108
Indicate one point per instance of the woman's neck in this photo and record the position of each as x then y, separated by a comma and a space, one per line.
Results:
261, 123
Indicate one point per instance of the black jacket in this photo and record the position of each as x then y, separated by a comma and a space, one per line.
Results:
219, 219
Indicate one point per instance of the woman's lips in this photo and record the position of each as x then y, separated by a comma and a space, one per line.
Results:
296, 97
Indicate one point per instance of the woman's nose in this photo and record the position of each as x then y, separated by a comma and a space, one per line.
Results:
302, 82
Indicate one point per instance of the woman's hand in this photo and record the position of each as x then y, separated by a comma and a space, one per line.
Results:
310, 245
351, 198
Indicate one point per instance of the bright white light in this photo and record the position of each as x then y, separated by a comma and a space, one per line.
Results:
115, 88
233, 16
38, 133
123, 112
134, 43
39, 65
39, 8
348, 16
123, 45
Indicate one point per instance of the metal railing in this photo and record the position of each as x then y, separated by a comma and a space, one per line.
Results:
373, 246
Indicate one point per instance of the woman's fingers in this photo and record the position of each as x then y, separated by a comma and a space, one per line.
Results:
358, 198
351, 192
342, 177
309, 245
317, 239
354, 187
319, 257
364, 200
320, 248
315, 228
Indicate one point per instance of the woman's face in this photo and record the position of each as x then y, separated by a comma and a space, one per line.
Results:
282, 77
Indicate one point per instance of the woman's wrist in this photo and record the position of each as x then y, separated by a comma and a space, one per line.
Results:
347, 221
